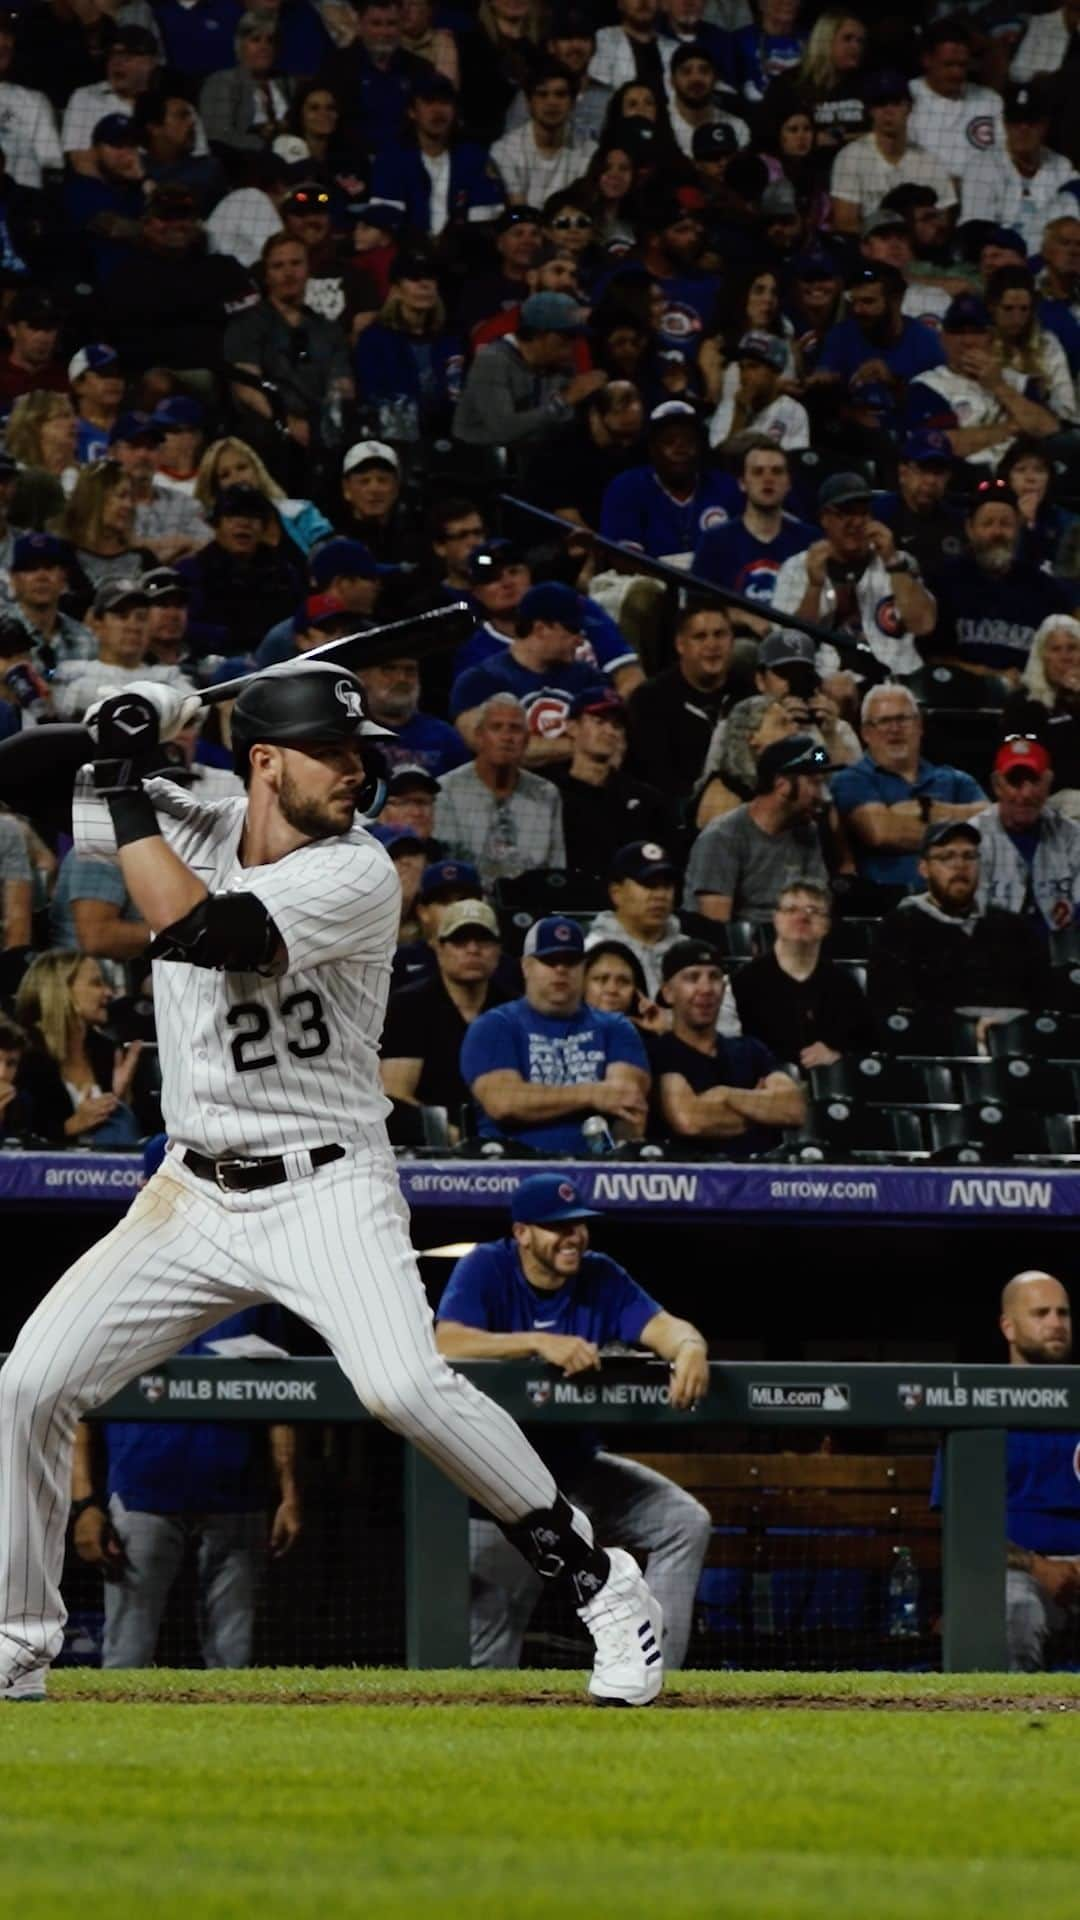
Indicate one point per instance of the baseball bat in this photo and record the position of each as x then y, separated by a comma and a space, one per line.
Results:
420, 634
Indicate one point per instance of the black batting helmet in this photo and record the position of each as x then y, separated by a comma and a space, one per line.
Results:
291, 703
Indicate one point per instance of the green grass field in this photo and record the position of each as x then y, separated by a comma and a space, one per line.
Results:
777, 1796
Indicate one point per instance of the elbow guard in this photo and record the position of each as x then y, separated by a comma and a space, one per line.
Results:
228, 932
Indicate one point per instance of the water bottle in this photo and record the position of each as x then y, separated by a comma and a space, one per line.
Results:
902, 1598
597, 1135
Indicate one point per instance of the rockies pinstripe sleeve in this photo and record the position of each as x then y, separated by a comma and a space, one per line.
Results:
335, 901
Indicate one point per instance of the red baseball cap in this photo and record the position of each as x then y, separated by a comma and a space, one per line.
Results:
1022, 752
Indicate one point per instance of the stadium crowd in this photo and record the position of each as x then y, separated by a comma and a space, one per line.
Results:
331, 312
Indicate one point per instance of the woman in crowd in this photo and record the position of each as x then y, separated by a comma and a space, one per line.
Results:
408, 365
99, 521
632, 104
749, 304
315, 118
243, 107
232, 463
42, 435
1046, 705
787, 146
615, 983
79, 1086
1050, 533
829, 79
610, 180
1022, 345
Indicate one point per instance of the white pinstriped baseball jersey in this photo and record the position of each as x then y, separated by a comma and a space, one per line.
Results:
252, 1065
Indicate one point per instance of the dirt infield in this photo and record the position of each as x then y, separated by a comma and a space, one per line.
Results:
671, 1699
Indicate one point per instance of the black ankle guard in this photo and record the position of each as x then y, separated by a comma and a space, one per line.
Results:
555, 1550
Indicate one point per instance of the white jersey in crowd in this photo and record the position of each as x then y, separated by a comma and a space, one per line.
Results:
255, 1066
954, 131
529, 175
994, 189
28, 136
862, 174
884, 632
971, 404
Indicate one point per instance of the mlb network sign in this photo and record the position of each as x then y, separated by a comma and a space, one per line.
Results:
156, 1387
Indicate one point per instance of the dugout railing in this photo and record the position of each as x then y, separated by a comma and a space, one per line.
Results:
971, 1408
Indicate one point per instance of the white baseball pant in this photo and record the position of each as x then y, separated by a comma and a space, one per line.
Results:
335, 1249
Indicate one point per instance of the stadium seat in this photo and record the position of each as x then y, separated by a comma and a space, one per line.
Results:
1042, 1086
1065, 968
965, 737
552, 890
851, 939
877, 1081
943, 688
927, 1034
1042, 1036
841, 1129
1018, 1133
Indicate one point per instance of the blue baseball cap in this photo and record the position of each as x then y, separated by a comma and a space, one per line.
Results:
39, 550
178, 414
817, 265
929, 449
966, 314
135, 426
348, 558
546, 1197
96, 358
551, 600
456, 875
554, 938
398, 839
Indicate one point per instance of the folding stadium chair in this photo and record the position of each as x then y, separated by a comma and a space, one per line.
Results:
1065, 968
840, 1129
552, 890
1016, 1134
944, 688
878, 1081
965, 737
1040, 1086
1040, 1036
927, 1034
851, 939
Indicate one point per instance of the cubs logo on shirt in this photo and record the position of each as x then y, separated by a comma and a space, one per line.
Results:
547, 713
713, 517
979, 133
757, 580
887, 618
680, 322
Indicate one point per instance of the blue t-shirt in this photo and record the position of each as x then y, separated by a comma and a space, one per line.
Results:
846, 348
206, 1466
1042, 1491
601, 1303
91, 443
732, 556
602, 645
425, 741
546, 696
866, 784
1059, 317
548, 1050
638, 511
688, 303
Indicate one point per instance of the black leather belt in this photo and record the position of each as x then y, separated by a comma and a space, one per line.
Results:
246, 1176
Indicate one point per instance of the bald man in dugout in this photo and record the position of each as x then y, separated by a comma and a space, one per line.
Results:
1043, 1578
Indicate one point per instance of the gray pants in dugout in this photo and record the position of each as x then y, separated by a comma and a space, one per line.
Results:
231, 1550
629, 1506
1031, 1621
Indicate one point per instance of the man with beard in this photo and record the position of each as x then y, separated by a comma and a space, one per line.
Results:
813, 303
979, 405
1042, 1581
875, 347
991, 600
743, 860
920, 515
1030, 852
692, 104
672, 229
939, 951
415, 739
663, 509
856, 581
426, 1023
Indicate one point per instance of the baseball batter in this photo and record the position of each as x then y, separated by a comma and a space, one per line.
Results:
276, 918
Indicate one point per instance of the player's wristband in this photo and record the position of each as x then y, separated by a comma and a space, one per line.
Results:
133, 815
79, 1507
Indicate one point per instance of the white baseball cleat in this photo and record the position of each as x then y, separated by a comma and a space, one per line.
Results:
626, 1623
26, 1686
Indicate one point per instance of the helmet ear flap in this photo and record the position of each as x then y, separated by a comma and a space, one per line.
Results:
371, 798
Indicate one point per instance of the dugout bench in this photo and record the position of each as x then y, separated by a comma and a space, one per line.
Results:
971, 1406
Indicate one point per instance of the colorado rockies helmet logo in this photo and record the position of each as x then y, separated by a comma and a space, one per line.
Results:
351, 699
